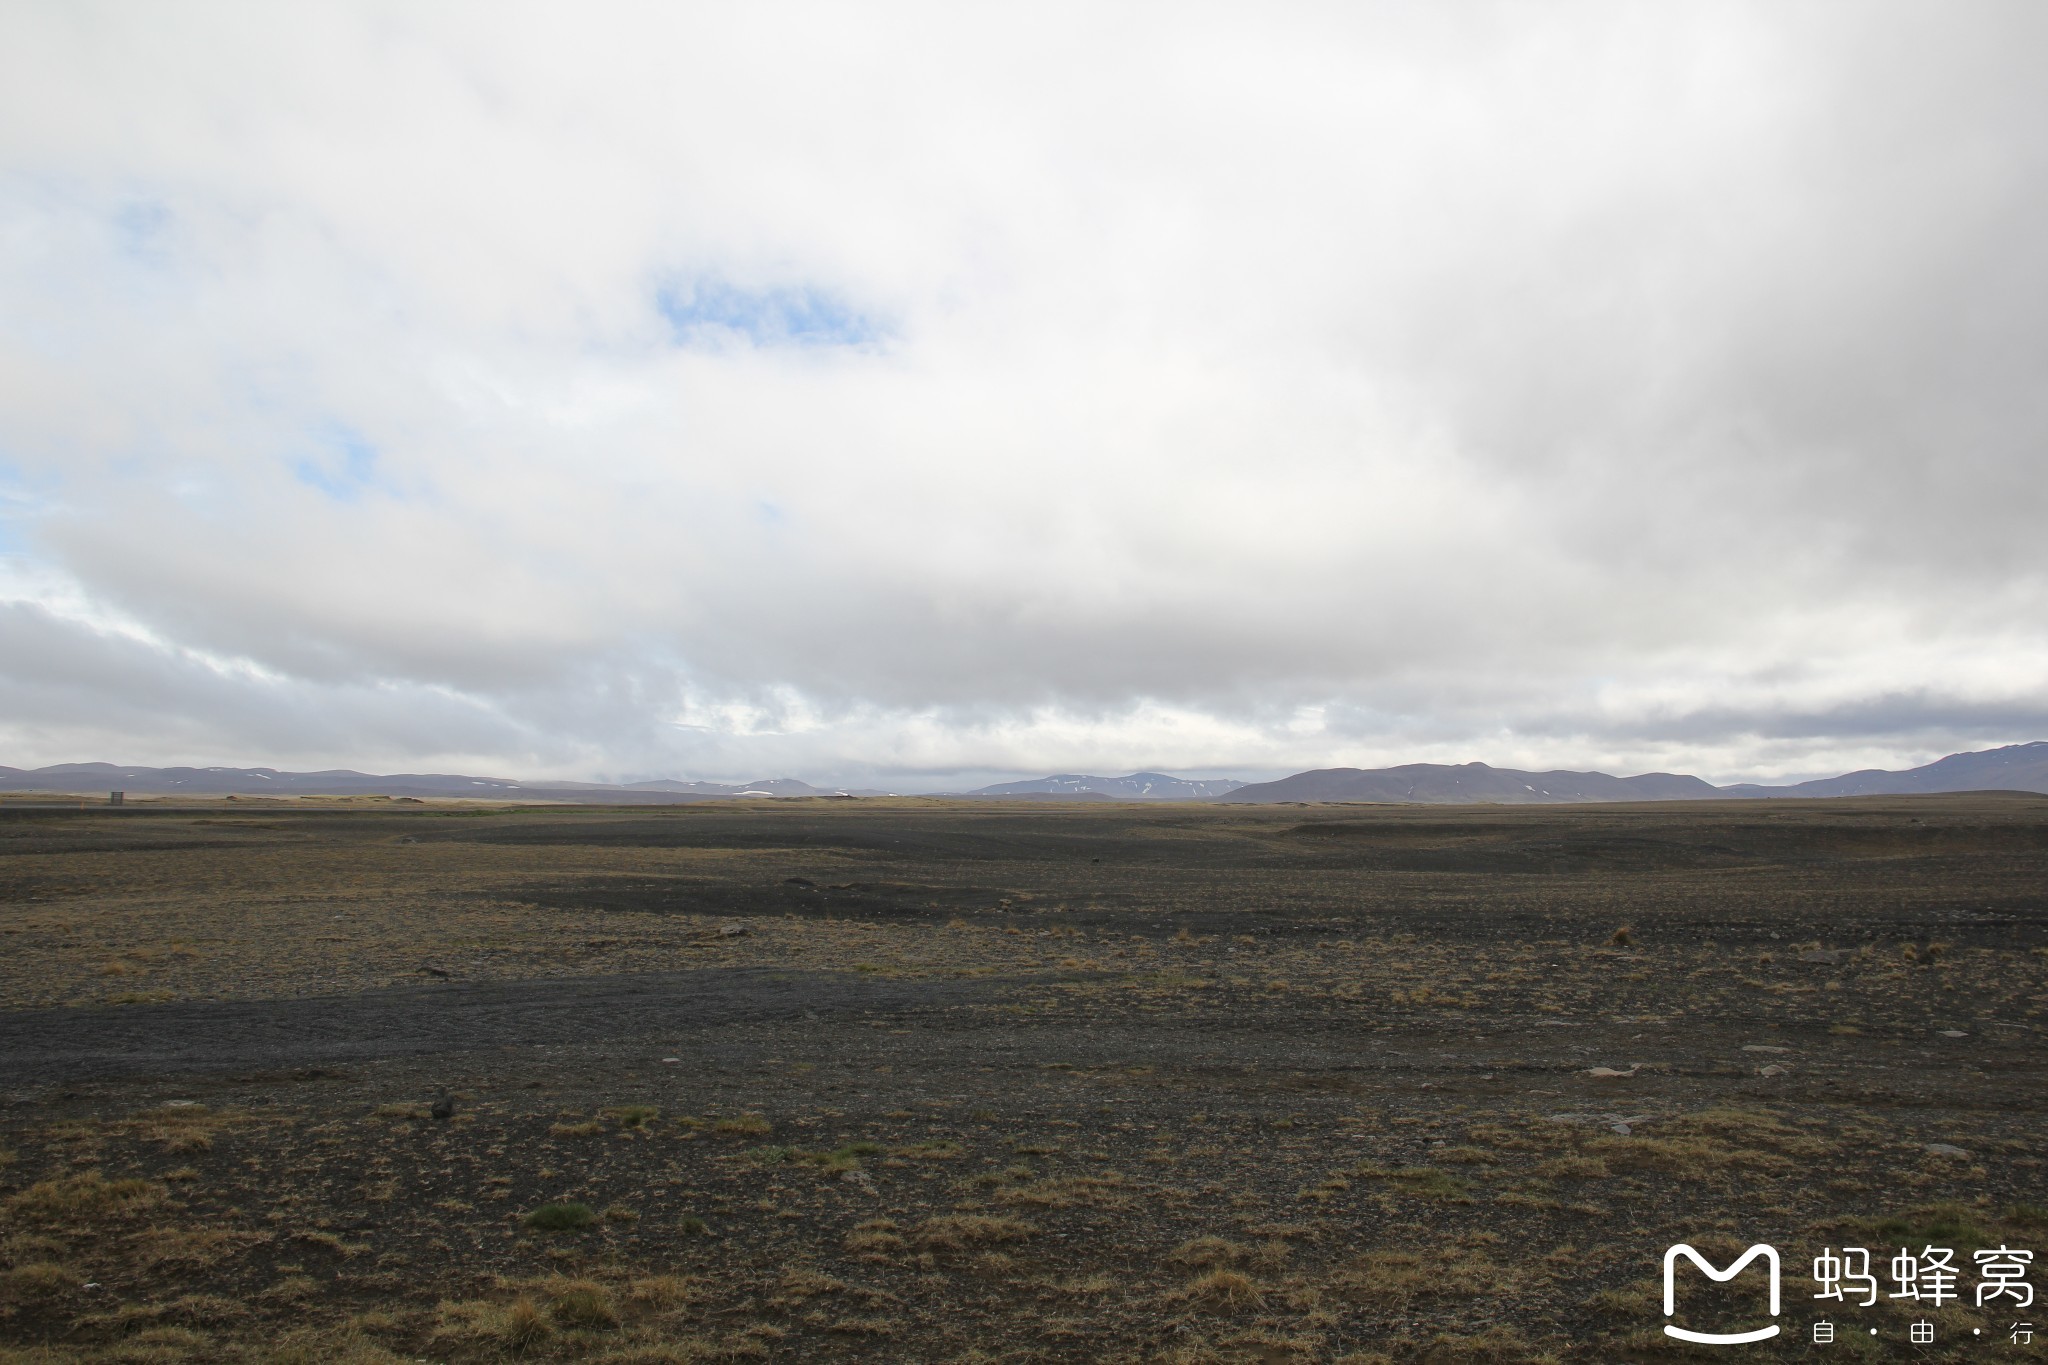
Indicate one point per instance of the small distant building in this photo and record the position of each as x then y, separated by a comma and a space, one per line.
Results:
116, 798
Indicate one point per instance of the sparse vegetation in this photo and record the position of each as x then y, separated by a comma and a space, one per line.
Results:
564, 1217
633, 1116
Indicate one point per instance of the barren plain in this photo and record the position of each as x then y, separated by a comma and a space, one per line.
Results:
908, 1080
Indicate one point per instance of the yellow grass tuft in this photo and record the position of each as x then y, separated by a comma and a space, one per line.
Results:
1222, 1290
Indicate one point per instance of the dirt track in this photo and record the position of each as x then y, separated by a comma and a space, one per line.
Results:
71, 1045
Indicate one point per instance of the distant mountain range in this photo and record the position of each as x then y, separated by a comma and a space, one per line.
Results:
1136, 787
1464, 783
2016, 767
99, 777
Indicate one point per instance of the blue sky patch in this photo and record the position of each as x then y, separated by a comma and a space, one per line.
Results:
344, 464
800, 316
141, 227
19, 504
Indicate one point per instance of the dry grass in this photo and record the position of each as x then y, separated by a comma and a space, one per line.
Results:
963, 1231
582, 1303
38, 1281
84, 1197
1208, 1251
744, 1125
192, 1248
666, 1291
519, 1326
877, 1238
1225, 1290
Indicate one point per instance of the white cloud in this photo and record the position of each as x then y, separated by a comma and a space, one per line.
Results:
1596, 385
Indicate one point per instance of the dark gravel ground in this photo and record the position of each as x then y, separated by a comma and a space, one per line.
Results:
1008, 1084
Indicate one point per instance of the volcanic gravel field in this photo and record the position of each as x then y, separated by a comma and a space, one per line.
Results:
905, 1080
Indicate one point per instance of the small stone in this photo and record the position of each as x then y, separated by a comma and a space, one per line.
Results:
1620, 1128
1945, 1149
671, 1061
1608, 1073
1953, 1033
732, 930
180, 1104
1763, 1047
1773, 1070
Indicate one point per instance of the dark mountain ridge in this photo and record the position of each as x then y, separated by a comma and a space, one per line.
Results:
2016, 767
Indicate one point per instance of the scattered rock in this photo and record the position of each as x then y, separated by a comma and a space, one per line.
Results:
804, 882
1608, 1073
1953, 1033
1621, 1128
181, 1104
671, 1061
733, 930
1773, 1070
1763, 1047
1945, 1149
443, 1107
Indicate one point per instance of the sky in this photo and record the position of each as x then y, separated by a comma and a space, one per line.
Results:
916, 395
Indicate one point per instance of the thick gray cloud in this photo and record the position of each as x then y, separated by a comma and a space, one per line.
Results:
901, 393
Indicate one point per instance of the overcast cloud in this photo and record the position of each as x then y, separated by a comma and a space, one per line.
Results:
914, 395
